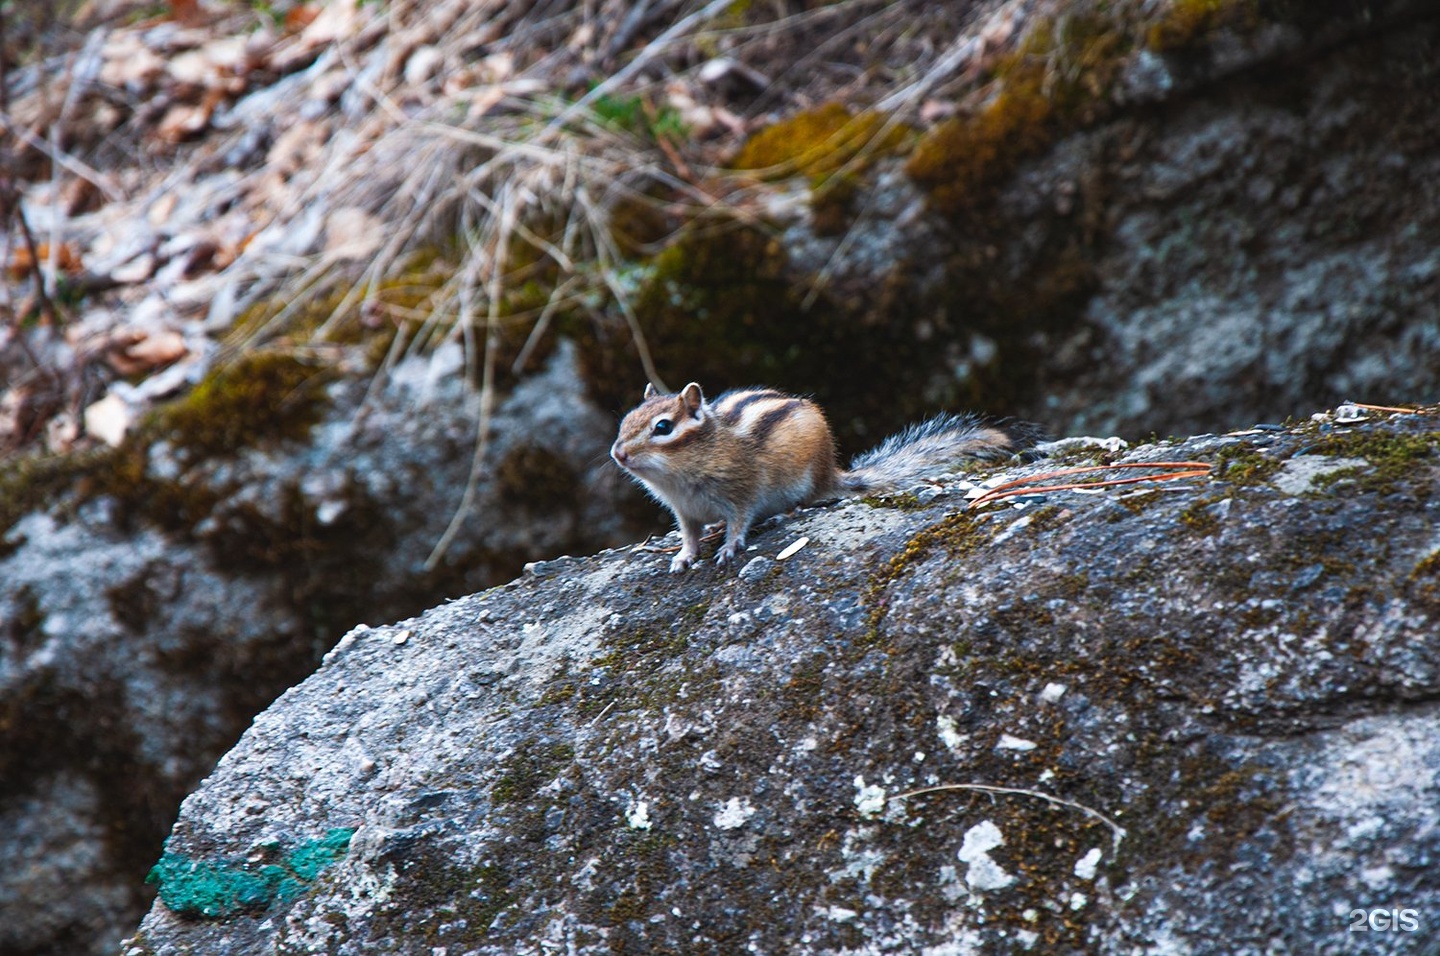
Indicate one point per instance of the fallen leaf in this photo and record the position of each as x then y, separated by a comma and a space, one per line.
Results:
108, 420
136, 351
129, 63
301, 17
187, 12
21, 264
161, 209
182, 121
352, 233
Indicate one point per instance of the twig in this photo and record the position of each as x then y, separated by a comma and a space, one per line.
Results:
1384, 408
1021, 486
60, 158
487, 389
1116, 830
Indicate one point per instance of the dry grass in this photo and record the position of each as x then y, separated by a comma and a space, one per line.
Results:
514, 140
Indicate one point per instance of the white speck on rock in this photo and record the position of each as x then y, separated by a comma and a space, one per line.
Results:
1008, 742
1298, 475
638, 815
733, 813
1053, 692
756, 568
984, 873
869, 800
949, 733
1085, 866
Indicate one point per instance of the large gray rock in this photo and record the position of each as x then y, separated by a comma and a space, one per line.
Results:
138, 637
1193, 718
1247, 236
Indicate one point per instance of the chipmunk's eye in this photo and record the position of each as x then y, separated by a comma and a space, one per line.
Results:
664, 426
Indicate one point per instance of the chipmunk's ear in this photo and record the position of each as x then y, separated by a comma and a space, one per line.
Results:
693, 398
650, 391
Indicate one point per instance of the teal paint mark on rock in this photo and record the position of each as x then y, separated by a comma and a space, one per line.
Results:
197, 888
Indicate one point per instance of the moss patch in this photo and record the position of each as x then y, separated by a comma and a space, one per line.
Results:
1242, 464
1188, 23
441, 904
817, 142
264, 397
724, 310
1057, 79
959, 534
1393, 459
529, 768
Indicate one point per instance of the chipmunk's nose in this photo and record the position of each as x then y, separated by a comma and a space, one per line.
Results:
621, 456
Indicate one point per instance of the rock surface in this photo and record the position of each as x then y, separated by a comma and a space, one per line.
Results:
133, 651
1265, 245
1193, 717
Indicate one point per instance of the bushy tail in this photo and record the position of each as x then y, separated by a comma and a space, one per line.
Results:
932, 448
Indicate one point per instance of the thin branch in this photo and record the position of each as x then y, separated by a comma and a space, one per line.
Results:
1117, 832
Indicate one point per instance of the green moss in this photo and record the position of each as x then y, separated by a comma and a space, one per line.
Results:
817, 142
722, 309
667, 637
536, 479
1188, 23
905, 501
1045, 518
635, 114
558, 691
221, 889
804, 692
402, 301
264, 397
832, 204
1057, 79
1138, 504
1242, 464
1422, 585
959, 534
1234, 804
437, 903
1199, 519
1393, 459
531, 766
29, 482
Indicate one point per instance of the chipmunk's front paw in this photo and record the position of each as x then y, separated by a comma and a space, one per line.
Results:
682, 561
728, 553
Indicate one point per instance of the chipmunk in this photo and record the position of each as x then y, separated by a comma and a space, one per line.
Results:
755, 452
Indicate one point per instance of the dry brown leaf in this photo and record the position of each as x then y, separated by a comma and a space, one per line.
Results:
301, 17
129, 63
79, 196
338, 18
181, 122
149, 352
187, 12
67, 258
297, 147
161, 209
13, 403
